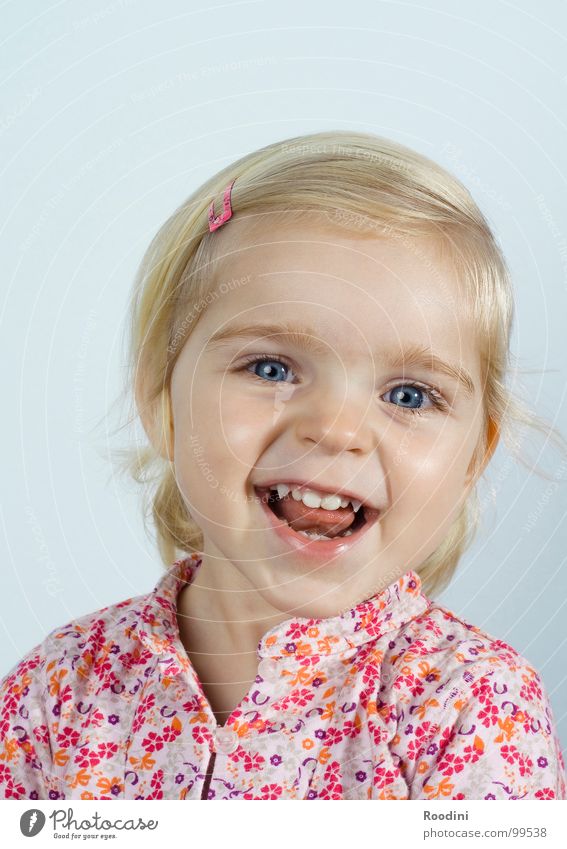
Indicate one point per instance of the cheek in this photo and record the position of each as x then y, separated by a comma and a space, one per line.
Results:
427, 494
432, 477
216, 440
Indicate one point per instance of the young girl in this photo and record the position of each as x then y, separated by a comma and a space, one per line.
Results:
319, 352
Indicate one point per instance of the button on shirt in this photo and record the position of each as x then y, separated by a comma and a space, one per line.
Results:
396, 698
225, 741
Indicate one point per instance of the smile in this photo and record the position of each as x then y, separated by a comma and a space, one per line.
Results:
316, 545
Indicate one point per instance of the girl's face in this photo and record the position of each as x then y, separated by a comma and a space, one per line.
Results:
354, 402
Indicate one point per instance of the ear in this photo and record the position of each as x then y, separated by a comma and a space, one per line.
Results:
157, 419
492, 440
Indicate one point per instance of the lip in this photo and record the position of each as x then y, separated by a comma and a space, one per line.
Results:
316, 549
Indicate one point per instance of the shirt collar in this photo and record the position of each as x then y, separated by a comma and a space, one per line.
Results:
299, 637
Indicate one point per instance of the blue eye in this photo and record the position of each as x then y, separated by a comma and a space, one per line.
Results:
269, 368
407, 395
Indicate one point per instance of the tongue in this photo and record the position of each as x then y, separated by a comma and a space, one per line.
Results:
316, 519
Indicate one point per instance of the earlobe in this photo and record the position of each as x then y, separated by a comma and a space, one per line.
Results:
492, 439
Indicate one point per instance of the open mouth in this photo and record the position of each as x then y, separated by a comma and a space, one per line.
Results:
320, 532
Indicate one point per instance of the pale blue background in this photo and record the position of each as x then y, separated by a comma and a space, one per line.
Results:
112, 113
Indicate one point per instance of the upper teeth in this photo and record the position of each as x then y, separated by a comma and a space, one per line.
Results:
312, 498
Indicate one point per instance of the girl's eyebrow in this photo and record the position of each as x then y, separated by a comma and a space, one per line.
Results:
307, 338
303, 337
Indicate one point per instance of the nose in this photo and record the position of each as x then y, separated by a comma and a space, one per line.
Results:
336, 421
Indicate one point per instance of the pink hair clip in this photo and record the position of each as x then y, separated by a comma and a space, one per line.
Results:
216, 221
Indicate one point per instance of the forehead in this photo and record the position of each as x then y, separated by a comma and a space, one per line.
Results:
351, 287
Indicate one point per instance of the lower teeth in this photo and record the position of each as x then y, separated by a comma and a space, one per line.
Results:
312, 535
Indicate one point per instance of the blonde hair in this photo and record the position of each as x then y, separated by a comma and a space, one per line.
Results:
359, 181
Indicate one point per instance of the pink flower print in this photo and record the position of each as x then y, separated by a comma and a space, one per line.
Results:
333, 771
416, 686
136, 658
489, 715
446, 737
302, 698
530, 690
253, 762
147, 703
14, 791
482, 689
107, 750
97, 718
68, 737
422, 734
434, 628
192, 705
402, 681
333, 791
374, 628
138, 723
410, 681
383, 777
352, 728
66, 693
510, 753
86, 758
157, 778
153, 742
378, 734
545, 793
423, 731
333, 736
271, 791
102, 669
170, 732
41, 734
414, 749
473, 752
199, 733
295, 631
371, 674
96, 640
333, 788
450, 764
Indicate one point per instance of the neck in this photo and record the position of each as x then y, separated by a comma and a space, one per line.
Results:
221, 613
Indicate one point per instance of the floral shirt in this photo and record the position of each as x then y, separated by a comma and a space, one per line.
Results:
396, 698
